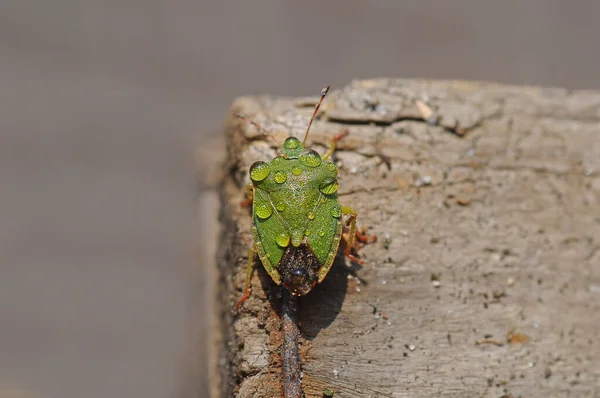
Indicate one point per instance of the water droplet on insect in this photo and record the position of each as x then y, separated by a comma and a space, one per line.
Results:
330, 187
280, 206
291, 143
280, 177
259, 171
263, 210
310, 158
296, 170
321, 233
311, 216
283, 239
332, 168
336, 211
276, 160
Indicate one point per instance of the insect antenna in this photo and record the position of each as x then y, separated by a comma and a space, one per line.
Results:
323, 94
252, 122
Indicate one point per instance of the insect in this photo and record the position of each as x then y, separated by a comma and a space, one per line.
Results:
296, 214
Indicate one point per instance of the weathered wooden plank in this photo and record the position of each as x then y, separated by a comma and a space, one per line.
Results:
486, 200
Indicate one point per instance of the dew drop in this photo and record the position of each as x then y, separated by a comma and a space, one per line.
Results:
263, 210
331, 167
310, 158
311, 216
307, 232
291, 143
321, 233
330, 186
280, 177
336, 211
280, 206
259, 171
283, 239
296, 170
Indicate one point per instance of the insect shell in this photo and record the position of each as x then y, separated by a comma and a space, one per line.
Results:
296, 216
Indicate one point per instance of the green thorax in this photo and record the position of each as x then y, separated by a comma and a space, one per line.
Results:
295, 202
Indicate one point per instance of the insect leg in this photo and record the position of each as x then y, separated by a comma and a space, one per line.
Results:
361, 236
249, 196
249, 271
338, 137
350, 242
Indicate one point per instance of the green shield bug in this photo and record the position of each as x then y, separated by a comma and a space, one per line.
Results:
296, 214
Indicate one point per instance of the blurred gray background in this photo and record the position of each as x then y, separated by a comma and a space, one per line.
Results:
102, 104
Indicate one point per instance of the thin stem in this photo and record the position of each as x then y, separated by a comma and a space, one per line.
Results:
292, 368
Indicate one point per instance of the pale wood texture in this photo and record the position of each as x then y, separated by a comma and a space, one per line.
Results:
486, 202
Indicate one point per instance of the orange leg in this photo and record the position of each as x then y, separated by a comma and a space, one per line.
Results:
248, 285
354, 235
338, 137
249, 196
362, 237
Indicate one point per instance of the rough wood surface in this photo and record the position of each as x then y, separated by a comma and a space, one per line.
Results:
485, 281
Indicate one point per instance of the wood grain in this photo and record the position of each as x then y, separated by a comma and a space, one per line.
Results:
486, 201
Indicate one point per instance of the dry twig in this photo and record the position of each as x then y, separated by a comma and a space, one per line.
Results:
292, 369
